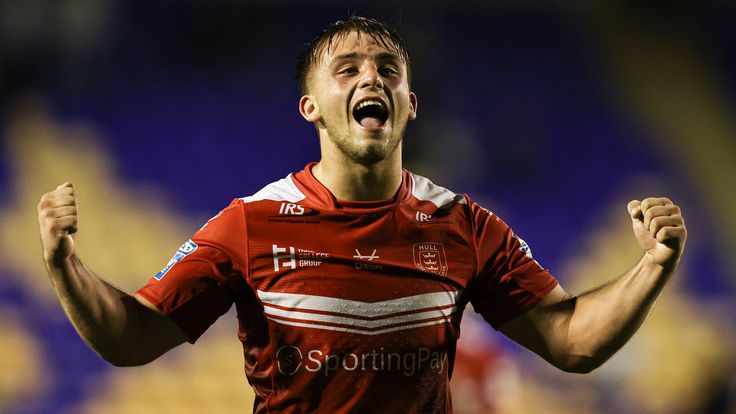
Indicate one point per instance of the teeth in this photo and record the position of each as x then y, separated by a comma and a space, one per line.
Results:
370, 102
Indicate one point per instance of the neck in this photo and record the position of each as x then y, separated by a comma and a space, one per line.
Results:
349, 180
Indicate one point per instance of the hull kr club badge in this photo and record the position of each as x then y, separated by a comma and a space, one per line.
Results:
430, 258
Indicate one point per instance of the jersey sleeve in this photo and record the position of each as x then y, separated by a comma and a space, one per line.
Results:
508, 280
201, 281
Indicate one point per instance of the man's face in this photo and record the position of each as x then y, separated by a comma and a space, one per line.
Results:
360, 99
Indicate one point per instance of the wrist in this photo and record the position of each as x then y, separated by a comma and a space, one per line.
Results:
651, 265
56, 261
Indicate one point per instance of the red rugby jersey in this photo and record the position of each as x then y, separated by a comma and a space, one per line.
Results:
349, 306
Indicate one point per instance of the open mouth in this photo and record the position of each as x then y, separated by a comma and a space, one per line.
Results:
371, 113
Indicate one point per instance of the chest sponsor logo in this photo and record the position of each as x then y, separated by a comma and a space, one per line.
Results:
423, 217
295, 213
290, 360
292, 257
362, 265
369, 258
291, 210
430, 258
185, 250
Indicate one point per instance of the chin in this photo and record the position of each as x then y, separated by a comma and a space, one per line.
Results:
372, 153
369, 158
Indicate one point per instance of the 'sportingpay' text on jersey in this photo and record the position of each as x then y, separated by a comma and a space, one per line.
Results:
350, 306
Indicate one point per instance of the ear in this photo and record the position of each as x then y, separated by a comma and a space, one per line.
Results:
309, 109
413, 103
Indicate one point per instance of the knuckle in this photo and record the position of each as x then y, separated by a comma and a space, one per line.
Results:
648, 216
655, 221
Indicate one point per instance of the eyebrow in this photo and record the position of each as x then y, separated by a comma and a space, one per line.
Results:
345, 56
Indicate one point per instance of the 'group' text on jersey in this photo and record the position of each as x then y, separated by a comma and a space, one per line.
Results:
349, 307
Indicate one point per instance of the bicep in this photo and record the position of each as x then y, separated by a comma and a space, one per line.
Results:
543, 328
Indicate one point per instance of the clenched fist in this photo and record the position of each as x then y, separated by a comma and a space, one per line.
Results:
57, 218
660, 229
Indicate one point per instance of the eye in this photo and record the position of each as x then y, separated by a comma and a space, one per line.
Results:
348, 70
388, 71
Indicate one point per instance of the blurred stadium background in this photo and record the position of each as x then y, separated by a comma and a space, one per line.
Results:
552, 114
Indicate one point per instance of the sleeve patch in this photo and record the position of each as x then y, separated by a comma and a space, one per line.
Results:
524, 247
186, 249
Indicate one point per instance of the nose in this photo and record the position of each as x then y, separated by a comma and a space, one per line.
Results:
370, 78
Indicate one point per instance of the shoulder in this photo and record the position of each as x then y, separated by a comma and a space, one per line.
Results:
423, 189
281, 190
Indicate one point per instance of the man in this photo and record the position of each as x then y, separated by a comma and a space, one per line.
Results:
350, 277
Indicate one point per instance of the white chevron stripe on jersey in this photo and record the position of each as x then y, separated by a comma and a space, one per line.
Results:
281, 190
344, 315
358, 331
425, 190
362, 323
409, 304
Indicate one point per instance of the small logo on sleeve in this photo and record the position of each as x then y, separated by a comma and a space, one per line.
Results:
185, 250
525, 249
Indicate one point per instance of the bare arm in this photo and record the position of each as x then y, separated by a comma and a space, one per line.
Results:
578, 334
125, 330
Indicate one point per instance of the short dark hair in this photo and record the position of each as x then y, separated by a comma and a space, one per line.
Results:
380, 32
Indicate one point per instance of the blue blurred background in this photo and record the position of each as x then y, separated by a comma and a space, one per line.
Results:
552, 114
